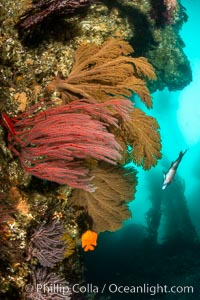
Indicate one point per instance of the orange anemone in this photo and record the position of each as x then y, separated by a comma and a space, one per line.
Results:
89, 240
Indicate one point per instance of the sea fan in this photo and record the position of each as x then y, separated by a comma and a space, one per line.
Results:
46, 244
55, 142
105, 72
107, 207
47, 286
141, 132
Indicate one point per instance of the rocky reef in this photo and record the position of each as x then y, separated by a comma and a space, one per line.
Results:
66, 54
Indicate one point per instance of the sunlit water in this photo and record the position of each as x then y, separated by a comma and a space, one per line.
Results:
178, 114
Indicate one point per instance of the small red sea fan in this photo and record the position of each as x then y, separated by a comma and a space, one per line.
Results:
55, 142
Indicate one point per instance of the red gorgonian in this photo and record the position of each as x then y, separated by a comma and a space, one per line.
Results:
53, 144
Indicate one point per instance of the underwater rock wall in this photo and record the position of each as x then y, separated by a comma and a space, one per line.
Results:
33, 59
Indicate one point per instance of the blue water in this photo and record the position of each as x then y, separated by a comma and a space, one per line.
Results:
178, 114
117, 256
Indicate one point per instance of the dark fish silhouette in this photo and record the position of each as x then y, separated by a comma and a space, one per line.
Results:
169, 175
